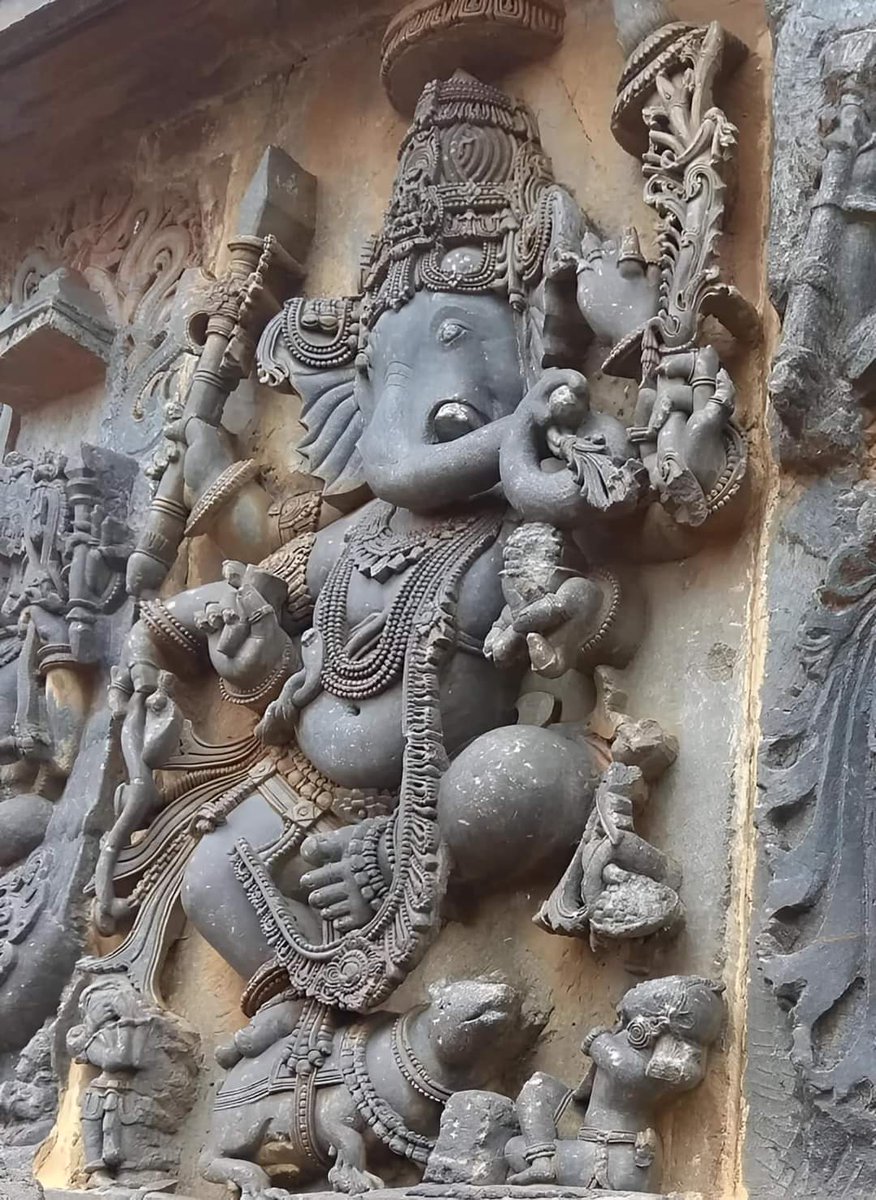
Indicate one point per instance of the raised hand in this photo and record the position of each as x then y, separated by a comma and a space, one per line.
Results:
244, 638
682, 430
617, 288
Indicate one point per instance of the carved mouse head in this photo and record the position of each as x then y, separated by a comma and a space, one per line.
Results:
469, 1017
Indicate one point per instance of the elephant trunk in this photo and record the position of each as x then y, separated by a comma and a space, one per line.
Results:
432, 476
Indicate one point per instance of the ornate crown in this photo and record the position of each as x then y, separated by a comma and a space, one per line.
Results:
470, 209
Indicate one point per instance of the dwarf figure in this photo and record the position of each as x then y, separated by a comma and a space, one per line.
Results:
146, 1084
658, 1049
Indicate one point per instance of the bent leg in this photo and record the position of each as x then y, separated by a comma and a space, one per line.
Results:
250, 1178
213, 897
537, 1106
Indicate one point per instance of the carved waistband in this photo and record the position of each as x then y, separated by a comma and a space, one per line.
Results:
608, 1137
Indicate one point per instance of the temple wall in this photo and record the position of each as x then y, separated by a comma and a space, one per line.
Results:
699, 667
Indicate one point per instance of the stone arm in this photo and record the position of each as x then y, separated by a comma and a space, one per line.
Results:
205, 478
78, 1037
274, 1020
695, 457
224, 497
682, 426
235, 623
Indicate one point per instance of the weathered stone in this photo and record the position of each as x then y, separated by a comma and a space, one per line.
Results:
430, 39
470, 1148
809, 1129
280, 200
311, 779
646, 745
55, 344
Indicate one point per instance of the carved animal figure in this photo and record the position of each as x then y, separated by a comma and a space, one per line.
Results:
384, 1081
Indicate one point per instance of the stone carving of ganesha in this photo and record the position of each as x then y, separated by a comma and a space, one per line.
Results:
383, 653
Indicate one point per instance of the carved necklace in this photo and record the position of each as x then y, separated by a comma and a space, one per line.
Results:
380, 1115
409, 1064
359, 671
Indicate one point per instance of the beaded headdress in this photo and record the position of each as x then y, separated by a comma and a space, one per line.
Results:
470, 210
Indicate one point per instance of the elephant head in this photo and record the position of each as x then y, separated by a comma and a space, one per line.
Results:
466, 294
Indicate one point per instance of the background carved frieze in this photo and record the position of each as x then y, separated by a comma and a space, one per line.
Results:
811, 1020
101, 300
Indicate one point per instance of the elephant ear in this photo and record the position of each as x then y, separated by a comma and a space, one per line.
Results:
310, 347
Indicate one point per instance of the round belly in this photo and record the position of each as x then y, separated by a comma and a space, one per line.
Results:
359, 744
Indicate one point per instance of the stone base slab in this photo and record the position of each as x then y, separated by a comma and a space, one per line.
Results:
426, 1191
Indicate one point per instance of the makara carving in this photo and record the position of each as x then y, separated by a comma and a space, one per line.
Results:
381, 653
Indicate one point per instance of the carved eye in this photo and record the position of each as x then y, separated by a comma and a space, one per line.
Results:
450, 331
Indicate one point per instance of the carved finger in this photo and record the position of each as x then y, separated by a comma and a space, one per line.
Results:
329, 896
630, 260
233, 572
541, 616
278, 723
678, 366
324, 848
612, 873
591, 251
251, 603
706, 365
209, 618
321, 877
563, 260
347, 924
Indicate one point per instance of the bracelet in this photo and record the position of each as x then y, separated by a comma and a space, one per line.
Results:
542, 1150
227, 484
167, 630
267, 690
365, 862
289, 563
297, 514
